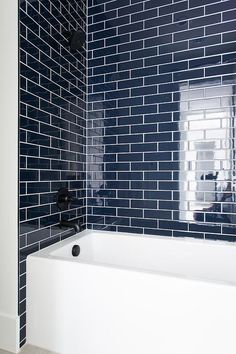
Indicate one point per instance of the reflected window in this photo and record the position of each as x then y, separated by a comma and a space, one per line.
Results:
207, 154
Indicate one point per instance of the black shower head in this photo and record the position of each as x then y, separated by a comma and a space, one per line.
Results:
76, 39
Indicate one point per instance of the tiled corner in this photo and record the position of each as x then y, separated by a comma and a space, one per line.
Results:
52, 126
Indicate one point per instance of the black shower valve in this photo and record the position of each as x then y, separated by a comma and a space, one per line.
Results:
64, 199
76, 39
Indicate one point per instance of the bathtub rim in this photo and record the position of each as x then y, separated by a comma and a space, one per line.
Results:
45, 251
45, 254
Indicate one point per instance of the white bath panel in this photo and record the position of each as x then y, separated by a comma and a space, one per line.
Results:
132, 295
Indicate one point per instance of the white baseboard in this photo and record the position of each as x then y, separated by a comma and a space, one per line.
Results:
9, 333
30, 349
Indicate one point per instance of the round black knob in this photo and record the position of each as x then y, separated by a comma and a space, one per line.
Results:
75, 250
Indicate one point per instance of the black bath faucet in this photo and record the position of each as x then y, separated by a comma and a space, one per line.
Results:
71, 224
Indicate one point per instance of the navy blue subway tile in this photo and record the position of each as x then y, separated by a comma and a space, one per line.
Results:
149, 90
158, 79
28, 175
143, 166
158, 98
189, 14
118, 21
116, 4
173, 27
144, 204
199, 235
130, 212
228, 238
29, 149
157, 156
204, 20
117, 58
158, 137
220, 70
38, 163
122, 38
144, 128
136, 230
228, 37
174, 225
157, 21
190, 54
152, 3
144, 53
162, 59
144, 147
127, 10
28, 226
104, 211
147, 33
133, 27
126, 47
187, 75
130, 157
219, 7
196, 3
138, 63
159, 195
174, 166
167, 68
130, 176
144, 185
38, 187
144, 72
180, 6
130, 194
229, 15
128, 102
145, 223
157, 214
116, 220
130, 120
38, 211
116, 148
137, 138
205, 42
189, 34
143, 15
159, 176
117, 166
173, 47
36, 236
205, 62
220, 28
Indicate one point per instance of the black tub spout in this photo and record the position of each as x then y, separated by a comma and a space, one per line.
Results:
71, 224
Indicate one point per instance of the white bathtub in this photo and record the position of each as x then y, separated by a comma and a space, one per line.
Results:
128, 294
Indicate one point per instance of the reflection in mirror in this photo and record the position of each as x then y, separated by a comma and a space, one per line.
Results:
207, 153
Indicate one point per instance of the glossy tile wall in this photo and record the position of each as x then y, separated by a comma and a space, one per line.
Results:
161, 121
52, 126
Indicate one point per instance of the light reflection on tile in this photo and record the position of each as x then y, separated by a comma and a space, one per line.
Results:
194, 120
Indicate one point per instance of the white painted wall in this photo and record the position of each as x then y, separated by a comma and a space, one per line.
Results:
9, 322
